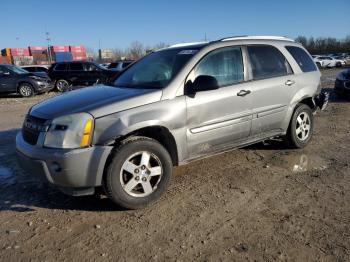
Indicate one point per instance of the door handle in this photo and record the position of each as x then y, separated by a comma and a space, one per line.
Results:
243, 92
289, 82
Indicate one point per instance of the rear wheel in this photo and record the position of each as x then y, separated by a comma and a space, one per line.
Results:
338, 64
139, 173
301, 127
62, 85
26, 90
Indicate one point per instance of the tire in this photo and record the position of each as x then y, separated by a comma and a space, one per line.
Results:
62, 85
338, 64
26, 90
301, 127
128, 182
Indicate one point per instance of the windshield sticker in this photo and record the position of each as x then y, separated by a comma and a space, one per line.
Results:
187, 52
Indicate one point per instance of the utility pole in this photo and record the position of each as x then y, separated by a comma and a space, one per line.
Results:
48, 39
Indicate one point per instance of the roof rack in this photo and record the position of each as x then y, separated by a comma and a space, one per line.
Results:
188, 44
257, 37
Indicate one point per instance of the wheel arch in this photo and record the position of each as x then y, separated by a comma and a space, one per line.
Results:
24, 82
158, 133
306, 100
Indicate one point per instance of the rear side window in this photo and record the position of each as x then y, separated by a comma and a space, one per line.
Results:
76, 67
302, 58
61, 67
267, 61
125, 64
225, 64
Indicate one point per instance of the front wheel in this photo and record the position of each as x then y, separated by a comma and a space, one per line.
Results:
139, 173
26, 90
301, 127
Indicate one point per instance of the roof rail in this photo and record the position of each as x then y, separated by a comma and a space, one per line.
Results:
188, 44
257, 37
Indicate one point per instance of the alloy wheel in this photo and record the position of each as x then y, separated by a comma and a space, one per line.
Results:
140, 174
303, 126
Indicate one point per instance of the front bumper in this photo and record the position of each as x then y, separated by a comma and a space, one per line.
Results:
42, 86
76, 168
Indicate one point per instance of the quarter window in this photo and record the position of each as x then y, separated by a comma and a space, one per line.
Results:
303, 59
225, 64
267, 61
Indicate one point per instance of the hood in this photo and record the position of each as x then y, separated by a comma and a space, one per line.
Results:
38, 74
346, 74
98, 101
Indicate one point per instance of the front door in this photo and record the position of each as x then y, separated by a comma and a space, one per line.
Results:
218, 119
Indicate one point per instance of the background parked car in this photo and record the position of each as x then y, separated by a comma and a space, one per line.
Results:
14, 79
119, 65
39, 69
65, 74
328, 61
36, 68
342, 83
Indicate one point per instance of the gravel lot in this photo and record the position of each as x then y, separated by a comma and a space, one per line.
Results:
263, 203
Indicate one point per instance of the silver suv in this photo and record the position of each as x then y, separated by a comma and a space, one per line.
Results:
175, 105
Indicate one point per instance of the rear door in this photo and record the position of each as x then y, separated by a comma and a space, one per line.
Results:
218, 119
272, 86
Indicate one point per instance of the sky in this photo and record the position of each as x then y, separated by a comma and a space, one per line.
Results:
116, 24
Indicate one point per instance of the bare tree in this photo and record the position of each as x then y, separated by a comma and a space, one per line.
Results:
322, 45
136, 50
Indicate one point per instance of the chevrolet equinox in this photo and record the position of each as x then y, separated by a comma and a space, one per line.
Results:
175, 105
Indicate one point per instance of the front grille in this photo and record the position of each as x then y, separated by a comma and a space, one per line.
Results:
32, 127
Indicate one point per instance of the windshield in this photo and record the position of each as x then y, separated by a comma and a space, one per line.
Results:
155, 70
17, 70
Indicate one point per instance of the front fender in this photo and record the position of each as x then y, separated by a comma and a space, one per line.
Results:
170, 114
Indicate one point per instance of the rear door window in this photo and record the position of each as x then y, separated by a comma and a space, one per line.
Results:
267, 62
304, 61
61, 67
76, 67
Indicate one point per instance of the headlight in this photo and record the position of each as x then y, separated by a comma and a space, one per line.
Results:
71, 131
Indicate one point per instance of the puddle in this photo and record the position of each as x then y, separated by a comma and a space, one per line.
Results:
297, 162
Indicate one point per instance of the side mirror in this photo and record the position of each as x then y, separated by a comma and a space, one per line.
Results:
201, 83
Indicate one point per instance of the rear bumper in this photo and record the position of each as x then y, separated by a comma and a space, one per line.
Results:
321, 100
70, 169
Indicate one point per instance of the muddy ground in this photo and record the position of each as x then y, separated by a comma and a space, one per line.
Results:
263, 203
